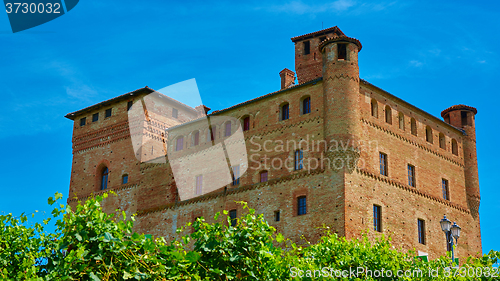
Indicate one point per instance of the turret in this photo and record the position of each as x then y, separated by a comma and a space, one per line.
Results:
463, 117
341, 95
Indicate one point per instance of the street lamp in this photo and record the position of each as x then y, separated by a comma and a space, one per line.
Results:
451, 231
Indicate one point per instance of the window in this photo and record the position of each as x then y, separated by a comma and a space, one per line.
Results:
277, 215
227, 133
306, 105
342, 51
175, 113
263, 176
307, 47
299, 159
236, 175
383, 164
413, 127
95, 117
421, 231
211, 133
401, 121
129, 105
428, 134
199, 184
446, 189
285, 112
464, 118
411, 175
196, 138
301, 206
374, 108
232, 216
107, 113
447, 119
246, 124
454, 147
388, 115
179, 144
124, 179
104, 178
442, 141
377, 218
83, 121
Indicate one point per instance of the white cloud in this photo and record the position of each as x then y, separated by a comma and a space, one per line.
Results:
416, 63
300, 8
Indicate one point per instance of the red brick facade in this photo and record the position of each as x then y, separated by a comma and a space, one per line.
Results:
349, 124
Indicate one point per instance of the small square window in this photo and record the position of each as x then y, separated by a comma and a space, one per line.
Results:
277, 216
95, 117
107, 113
83, 121
175, 113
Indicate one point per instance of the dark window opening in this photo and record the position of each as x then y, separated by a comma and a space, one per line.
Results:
377, 218
236, 175
299, 159
124, 179
263, 176
277, 216
421, 231
383, 164
442, 141
342, 51
285, 112
454, 147
104, 179
175, 113
306, 106
246, 124
83, 121
129, 105
446, 189
232, 216
307, 47
211, 133
95, 117
388, 114
413, 127
301, 205
107, 113
464, 118
428, 134
411, 176
374, 108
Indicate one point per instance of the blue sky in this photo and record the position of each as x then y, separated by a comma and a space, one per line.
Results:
433, 54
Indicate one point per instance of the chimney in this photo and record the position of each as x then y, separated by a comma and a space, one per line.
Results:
287, 78
202, 110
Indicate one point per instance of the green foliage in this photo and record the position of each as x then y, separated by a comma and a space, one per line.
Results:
92, 245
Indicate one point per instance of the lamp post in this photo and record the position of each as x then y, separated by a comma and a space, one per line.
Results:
451, 231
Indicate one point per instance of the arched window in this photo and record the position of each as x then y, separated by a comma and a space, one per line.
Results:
413, 126
284, 112
299, 159
196, 138
179, 143
388, 114
428, 134
454, 147
442, 141
374, 108
246, 123
227, 133
401, 119
104, 178
306, 105
263, 176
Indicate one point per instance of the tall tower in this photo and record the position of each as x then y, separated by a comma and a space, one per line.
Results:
341, 96
463, 116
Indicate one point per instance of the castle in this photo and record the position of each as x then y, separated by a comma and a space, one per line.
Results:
331, 150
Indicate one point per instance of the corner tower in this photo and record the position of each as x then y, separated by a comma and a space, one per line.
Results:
463, 116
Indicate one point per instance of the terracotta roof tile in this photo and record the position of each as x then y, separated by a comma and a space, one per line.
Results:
317, 33
458, 107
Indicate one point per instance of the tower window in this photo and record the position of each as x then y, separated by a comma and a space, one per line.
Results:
442, 141
175, 113
129, 105
263, 176
388, 115
107, 113
464, 118
411, 176
179, 144
232, 216
104, 179
374, 108
199, 184
447, 119
413, 127
83, 121
236, 174
428, 134
421, 231
301, 206
307, 47
383, 164
285, 112
299, 159
95, 117
246, 124
377, 218
454, 147
446, 189
306, 105
342, 51
227, 133
277, 215
125, 179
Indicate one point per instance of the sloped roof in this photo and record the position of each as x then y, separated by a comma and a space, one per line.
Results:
334, 29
